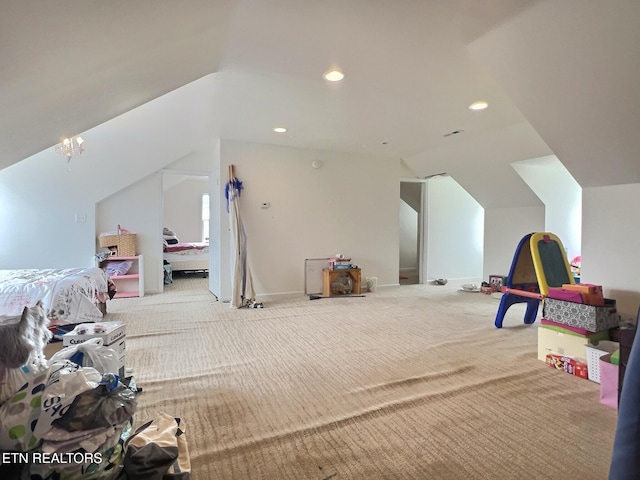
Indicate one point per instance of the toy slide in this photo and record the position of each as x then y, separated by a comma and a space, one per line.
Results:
540, 262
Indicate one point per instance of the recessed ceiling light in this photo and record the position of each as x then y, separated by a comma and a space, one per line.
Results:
334, 75
479, 105
279, 129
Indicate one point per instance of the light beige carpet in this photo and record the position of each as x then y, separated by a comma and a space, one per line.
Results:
410, 382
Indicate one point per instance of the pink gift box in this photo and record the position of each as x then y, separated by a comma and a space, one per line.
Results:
578, 330
564, 294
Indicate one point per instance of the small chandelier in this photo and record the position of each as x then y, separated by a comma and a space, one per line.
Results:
70, 147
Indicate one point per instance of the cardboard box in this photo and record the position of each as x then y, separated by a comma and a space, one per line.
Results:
119, 346
567, 364
52, 348
121, 369
554, 340
109, 332
588, 317
342, 266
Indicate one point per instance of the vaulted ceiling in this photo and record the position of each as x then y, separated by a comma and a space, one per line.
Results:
559, 78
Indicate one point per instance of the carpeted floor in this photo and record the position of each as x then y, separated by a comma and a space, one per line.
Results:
410, 382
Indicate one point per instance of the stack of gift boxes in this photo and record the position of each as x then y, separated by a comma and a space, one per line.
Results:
112, 334
576, 329
340, 263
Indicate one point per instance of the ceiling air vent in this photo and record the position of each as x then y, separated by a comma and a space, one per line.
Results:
455, 132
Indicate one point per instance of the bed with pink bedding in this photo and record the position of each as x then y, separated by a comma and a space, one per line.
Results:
187, 256
70, 295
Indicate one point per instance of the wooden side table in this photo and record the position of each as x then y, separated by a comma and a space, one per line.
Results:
328, 276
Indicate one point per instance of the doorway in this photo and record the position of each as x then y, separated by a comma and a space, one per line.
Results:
185, 236
412, 195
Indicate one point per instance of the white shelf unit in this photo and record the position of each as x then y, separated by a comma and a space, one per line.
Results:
131, 284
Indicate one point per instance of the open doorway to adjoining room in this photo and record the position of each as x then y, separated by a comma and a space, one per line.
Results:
185, 235
411, 231
441, 231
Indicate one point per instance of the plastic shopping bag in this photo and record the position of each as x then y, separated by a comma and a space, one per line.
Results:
22, 408
66, 381
99, 454
91, 353
15, 379
112, 403
158, 449
45, 396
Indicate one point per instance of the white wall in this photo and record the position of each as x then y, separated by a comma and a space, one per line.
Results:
136, 209
562, 197
216, 190
41, 199
139, 209
182, 207
348, 206
39, 203
611, 229
503, 230
454, 231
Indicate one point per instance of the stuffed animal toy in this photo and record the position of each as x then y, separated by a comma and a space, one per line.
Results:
23, 338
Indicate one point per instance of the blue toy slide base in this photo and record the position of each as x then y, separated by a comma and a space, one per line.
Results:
509, 299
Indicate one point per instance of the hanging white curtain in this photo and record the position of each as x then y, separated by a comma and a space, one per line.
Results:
242, 292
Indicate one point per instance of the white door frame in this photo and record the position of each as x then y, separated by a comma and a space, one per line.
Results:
187, 173
422, 226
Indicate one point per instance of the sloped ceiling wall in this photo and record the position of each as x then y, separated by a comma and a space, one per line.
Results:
480, 163
70, 65
559, 76
572, 67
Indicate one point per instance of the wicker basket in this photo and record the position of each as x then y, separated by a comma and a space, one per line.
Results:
125, 244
